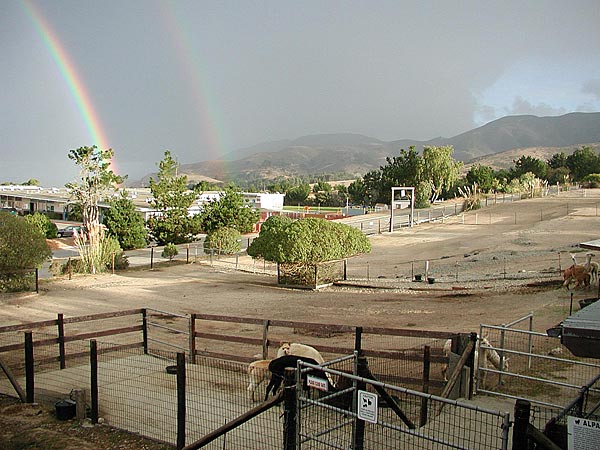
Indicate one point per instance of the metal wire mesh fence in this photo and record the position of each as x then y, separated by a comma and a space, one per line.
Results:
540, 368
398, 418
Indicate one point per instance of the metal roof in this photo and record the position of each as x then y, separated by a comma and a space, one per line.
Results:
580, 332
591, 245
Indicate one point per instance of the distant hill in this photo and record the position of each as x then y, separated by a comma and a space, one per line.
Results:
356, 154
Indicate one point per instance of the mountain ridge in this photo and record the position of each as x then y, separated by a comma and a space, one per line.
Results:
357, 154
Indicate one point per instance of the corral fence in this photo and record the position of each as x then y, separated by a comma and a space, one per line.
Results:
363, 412
127, 382
540, 369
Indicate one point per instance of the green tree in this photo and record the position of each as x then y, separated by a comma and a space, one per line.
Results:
95, 182
483, 176
356, 192
22, 246
31, 182
172, 200
582, 162
230, 211
557, 160
224, 240
125, 223
529, 164
321, 186
439, 169
170, 251
43, 224
307, 240
297, 194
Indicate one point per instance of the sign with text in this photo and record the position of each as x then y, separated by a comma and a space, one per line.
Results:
367, 406
317, 383
584, 434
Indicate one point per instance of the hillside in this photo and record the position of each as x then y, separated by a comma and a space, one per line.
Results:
356, 154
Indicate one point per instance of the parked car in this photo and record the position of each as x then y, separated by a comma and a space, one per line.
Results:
69, 231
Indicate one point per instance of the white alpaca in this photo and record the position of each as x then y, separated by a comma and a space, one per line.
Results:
490, 355
293, 348
258, 371
591, 266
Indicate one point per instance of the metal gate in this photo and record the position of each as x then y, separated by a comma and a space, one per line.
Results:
363, 413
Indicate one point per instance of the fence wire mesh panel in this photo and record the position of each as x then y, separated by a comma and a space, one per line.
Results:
404, 419
399, 360
540, 368
136, 393
217, 392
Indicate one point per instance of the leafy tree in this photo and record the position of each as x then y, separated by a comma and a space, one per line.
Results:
43, 224
112, 252
321, 186
592, 180
96, 181
307, 241
22, 246
483, 176
228, 211
557, 160
582, 162
529, 164
356, 191
559, 175
172, 200
125, 223
297, 194
439, 169
31, 182
204, 185
170, 251
225, 240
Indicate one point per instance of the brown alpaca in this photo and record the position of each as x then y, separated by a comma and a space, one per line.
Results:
578, 273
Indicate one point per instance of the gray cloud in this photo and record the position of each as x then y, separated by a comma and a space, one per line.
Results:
592, 87
522, 106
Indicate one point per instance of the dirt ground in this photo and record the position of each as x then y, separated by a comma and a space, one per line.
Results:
547, 230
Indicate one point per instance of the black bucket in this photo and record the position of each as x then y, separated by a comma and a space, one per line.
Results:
431, 280
417, 277
65, 409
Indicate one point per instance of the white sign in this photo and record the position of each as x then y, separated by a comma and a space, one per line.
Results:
584, 434
317, 383
367, 406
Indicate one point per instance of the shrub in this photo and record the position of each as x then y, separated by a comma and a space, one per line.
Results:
591, 181
22, 247
110, 247
225, 240
170, 251
43, 224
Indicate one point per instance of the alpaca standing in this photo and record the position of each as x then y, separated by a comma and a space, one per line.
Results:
578, 273
591, 266
489, 356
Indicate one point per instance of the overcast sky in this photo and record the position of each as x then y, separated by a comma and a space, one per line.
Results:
204, 78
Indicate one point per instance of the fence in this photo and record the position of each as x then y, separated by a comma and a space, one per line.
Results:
540, 370
128, 383
363, 412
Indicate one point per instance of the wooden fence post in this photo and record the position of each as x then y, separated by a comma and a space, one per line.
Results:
37, 279
181, 400
426, 371
289, 410
265, 339
522, 412
193, 338
61, 341
145, 330
94, 380
29, 371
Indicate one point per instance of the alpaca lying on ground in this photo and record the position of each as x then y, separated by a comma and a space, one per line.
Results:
277, 368
489, 355
258, 371
578, 273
